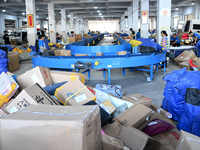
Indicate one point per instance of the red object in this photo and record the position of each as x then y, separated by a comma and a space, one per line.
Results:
30, 21
93, 91
176, 135
157, 126
38, 29
185, 36
128, 37
191, 63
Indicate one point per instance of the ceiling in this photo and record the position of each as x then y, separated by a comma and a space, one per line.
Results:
110, 9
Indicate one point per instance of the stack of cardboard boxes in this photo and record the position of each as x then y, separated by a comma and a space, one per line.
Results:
62, 121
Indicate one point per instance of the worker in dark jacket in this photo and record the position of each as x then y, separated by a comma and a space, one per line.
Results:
6, 38
132, 33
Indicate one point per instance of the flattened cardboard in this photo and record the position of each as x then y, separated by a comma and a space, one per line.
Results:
110, 143
138, 99
188, 141
38, 75
81, 55
122, 53
83, 95
46, 127
13, 64
137, 140
197, 62
185, 64
135, 116
31, 95
99, 54
62, 52
72, 39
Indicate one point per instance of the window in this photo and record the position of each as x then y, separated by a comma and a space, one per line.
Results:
189, 17
176, 19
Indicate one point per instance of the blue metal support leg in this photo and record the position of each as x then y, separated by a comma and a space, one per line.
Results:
77, 70
124, 73
151, 72
104, 73
164, 67
89, 74
109, 78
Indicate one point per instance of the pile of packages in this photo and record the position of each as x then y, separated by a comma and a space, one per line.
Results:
51, 110
182, 99
3, 61
188, 59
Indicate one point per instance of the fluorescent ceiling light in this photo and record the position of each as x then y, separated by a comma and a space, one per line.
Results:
100, 14
176, 8
37, 16
95, 7
68, 15
3, 10
23, 13
74, 17
98, 11
192, 2
47, 18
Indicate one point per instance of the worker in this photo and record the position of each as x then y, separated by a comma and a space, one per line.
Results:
196, 37
41, 45
89, 33
138, 34
72, 34
122, 32
42, 32
6, 38
175, 40
132, 33
149, 31
165, 44
154, 31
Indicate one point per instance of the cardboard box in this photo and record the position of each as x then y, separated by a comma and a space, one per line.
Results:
62, 52
122, 53
137, 140
185, 64
135, 116
110, 143
72, 39
32, 95
81, 55
108, 106
75, 92
38, 75
86, 36
62, 76
197, 62
99, 54
161, 111
169, 139
13, 64
185, 56
78, 37
46, 127
138, 99
8, 87
188, 141
52, 48
13, 42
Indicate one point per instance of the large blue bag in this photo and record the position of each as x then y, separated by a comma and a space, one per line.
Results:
3, 65
196, 125
191, 109
3, 54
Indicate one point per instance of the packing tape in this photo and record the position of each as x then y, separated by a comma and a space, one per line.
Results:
88, 44
74, 94
82, 77
94, 98
72, 77
93, 41
56, 92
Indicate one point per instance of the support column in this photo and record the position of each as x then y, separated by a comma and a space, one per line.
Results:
52, 28
130, 17
163, 18
144, 18
77, 25
81, 26
197, 9
71, 22
126, 22
64, 24
30, 10
135, 15
2, 27
42, 24
180, 14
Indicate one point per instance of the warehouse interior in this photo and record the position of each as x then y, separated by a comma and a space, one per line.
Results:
99, 74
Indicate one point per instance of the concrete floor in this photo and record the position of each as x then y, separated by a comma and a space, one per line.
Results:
132, 83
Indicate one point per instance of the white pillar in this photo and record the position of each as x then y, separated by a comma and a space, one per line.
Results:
126, 22
81, 26
2, 27
180, 14
163, 18
130, 17
71, 22
42, 24
19, 23
197, 10
135, 15
52, 28
30, 10
77, 25
64, 24
144, 18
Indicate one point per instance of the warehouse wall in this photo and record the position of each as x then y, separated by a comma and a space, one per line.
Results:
109, 26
